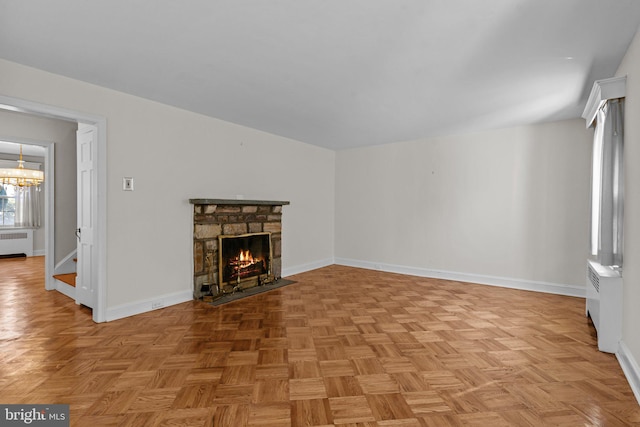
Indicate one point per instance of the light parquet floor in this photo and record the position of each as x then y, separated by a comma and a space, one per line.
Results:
342, 347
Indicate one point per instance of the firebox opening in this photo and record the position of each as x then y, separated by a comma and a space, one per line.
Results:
244, 257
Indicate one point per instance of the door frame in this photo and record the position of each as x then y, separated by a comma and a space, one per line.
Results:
100, 216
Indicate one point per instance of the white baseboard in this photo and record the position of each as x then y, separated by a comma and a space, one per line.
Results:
139, 307
630, 369
290, 271
505, 282
65, 289
39, 252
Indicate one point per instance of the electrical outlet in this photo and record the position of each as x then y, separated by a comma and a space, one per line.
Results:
157, 304
127, 183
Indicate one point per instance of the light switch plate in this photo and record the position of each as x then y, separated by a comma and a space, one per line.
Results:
127, 183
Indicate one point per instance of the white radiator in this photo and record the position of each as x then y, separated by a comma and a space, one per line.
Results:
16, 241
604, 304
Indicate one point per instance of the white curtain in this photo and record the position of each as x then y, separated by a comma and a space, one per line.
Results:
607, 185
28, 207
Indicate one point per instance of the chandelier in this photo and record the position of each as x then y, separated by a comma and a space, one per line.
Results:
20, 176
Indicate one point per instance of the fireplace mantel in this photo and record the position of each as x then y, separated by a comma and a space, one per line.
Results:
238, 202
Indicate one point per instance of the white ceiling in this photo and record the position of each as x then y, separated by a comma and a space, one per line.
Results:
335, 73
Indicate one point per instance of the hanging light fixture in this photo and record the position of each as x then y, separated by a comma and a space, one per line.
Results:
20, 176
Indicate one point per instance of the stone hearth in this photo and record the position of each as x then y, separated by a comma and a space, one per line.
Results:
227, 217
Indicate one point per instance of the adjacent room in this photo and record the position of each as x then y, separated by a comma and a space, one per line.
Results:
286, 213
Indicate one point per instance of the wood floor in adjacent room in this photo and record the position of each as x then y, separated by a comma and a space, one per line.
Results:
342, 347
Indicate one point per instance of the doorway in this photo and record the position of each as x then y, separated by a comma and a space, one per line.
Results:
43, 150
97, 197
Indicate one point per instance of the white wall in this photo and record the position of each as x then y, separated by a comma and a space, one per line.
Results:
63, 134
509, 203
630, 67
174, 155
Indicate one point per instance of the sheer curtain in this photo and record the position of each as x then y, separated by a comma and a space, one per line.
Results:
28, 207
607, 186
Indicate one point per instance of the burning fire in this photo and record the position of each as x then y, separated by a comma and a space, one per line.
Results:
245, 259
243, 264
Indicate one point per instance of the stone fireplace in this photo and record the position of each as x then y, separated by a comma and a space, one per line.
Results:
237, 244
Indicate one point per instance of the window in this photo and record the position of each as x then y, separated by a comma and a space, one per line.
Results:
605, 111
607, 184
7, 205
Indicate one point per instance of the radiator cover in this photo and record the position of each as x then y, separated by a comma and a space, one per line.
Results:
604, 304
16, 241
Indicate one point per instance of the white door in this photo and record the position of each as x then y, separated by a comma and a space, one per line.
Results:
86, 188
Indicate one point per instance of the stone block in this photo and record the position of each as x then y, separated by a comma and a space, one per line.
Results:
249, 209
255, 227
221, 218
276, 236
276, 248
274, 218
198, 257
274, 227
206, 231
198, 281
209, 209
201, 219
232, 229
276, 267
229, 209
276, 209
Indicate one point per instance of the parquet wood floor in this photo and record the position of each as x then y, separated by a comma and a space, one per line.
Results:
342, 347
